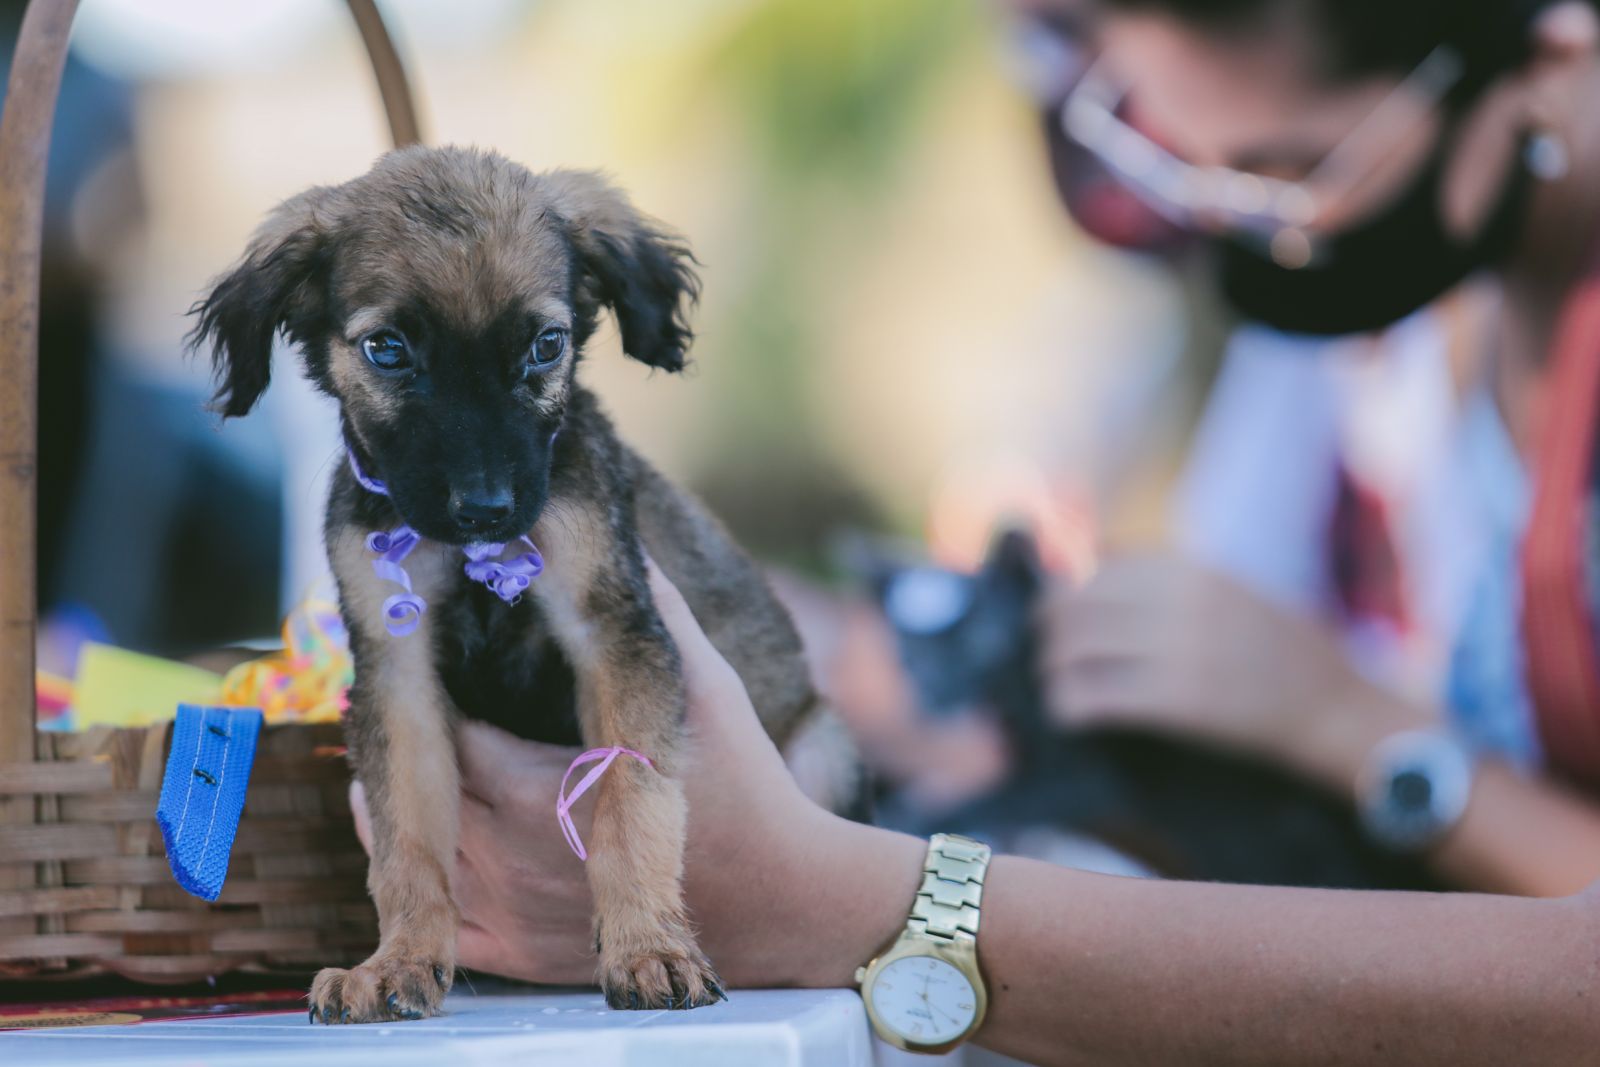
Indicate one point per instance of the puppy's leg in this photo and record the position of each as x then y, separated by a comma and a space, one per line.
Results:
630, 693
648, 955
398, 726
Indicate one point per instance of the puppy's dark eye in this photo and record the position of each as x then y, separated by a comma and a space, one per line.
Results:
386, 350
547, 348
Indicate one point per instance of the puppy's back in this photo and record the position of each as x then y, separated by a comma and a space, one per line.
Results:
730, 599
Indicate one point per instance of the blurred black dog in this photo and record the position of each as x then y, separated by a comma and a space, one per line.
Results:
1179, 809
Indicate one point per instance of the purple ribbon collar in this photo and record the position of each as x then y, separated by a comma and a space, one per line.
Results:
508, 579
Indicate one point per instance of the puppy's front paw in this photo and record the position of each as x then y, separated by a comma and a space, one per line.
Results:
670, 972
383, 989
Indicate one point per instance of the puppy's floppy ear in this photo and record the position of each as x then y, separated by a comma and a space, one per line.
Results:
276, 286
644, 273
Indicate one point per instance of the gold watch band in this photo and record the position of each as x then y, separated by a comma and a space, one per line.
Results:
952, 889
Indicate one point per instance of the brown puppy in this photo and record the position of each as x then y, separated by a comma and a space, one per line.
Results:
444, 299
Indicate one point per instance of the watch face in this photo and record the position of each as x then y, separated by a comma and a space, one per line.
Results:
924, 999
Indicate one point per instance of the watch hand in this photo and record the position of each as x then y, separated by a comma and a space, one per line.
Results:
938, 1009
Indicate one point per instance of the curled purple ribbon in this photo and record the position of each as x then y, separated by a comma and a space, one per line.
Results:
402, 613
367, 482
508, 579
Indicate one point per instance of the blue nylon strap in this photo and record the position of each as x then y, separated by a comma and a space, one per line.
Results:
202, 794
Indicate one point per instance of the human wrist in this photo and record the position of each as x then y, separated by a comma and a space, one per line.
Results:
852, 888
1353, 719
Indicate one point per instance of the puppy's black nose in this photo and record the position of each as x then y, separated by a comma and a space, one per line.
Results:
477, 511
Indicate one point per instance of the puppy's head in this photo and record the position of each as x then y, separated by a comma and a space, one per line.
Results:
443, 299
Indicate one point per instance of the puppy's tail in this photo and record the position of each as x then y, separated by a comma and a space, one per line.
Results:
826, 763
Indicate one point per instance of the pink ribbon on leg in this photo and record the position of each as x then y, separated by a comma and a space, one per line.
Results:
564, 800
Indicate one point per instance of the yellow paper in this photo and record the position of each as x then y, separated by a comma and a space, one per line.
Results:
116, 687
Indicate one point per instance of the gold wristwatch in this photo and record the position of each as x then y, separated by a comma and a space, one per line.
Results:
925, 992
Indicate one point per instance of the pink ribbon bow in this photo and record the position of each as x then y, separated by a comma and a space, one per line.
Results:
564, 800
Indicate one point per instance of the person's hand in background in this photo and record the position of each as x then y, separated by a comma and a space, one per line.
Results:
762, 860
1163, 643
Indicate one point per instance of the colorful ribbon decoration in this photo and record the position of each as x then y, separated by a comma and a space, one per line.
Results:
564, 800
309, 679
508, 579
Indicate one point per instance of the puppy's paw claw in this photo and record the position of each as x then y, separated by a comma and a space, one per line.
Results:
402, 1011
383, 989
674, 978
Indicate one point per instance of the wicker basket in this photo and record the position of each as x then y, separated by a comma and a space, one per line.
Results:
84, 884
104, 900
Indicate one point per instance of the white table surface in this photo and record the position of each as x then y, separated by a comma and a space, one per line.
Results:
755, 1028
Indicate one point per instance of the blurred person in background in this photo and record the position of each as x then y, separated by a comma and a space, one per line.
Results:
1347, 599
1387, 542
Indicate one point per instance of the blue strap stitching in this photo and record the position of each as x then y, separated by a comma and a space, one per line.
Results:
189, 793
222, 776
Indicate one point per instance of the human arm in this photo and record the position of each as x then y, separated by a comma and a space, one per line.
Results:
1086, 968
1082, 968
1162, 643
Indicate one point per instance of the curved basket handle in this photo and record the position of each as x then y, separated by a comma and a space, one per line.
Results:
30, 106
24, 146
398, 103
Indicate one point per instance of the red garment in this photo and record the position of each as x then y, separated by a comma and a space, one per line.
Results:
1366, 566
1563, 665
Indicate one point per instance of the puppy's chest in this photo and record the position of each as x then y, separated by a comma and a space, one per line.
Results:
500, 663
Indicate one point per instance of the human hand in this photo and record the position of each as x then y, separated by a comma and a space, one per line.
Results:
783, 893
1160, 642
